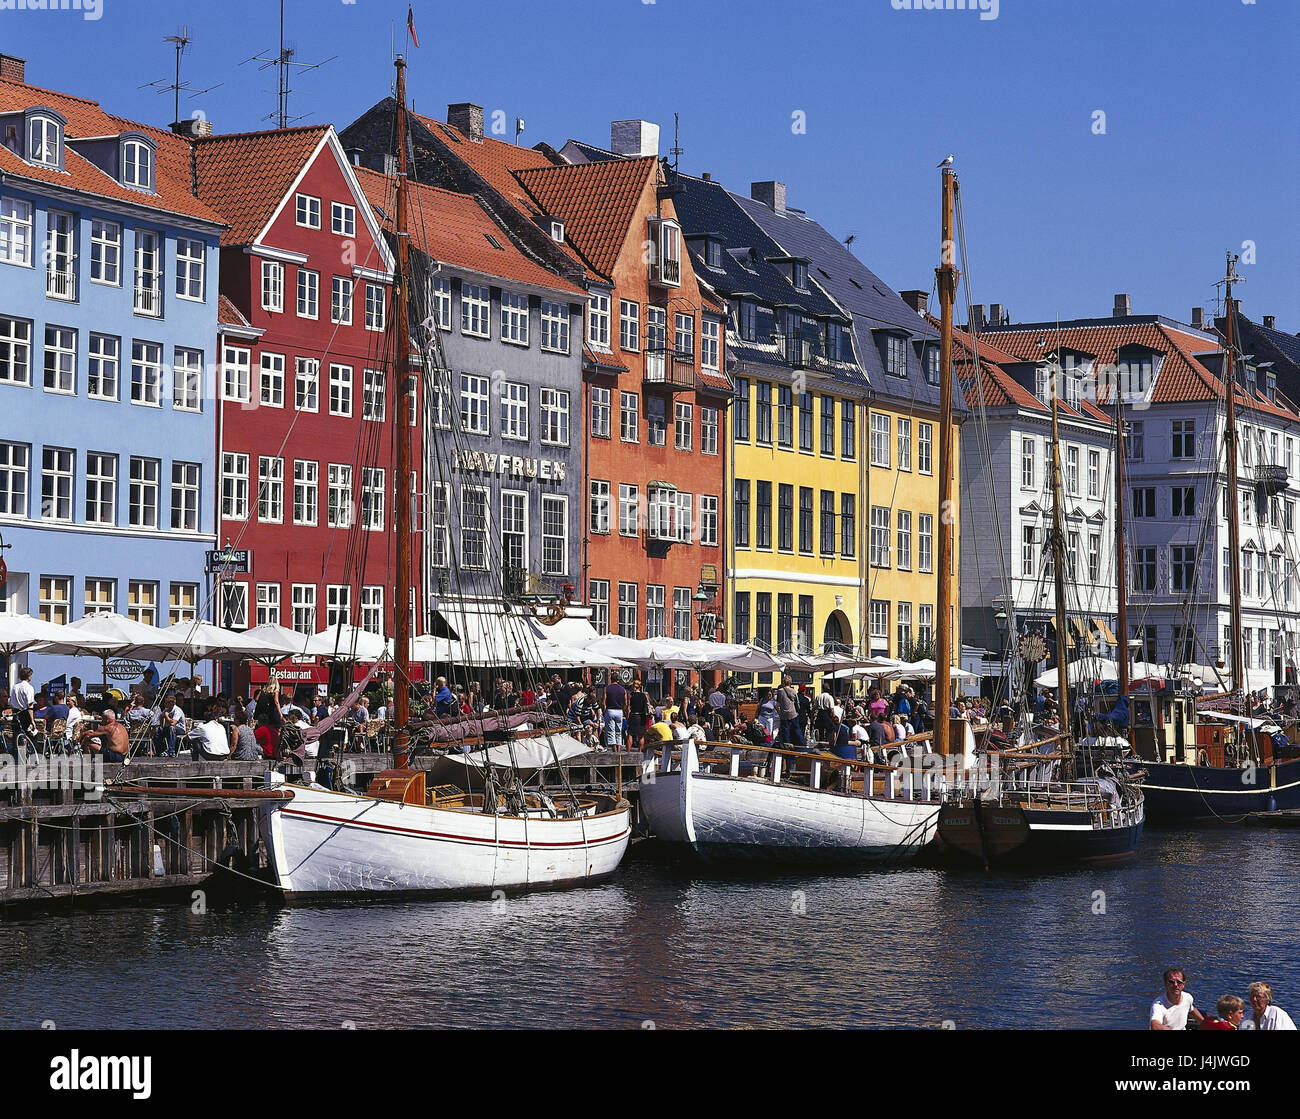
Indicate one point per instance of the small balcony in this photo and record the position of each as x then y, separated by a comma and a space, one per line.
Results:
667, 273
670, 370
1271, 479
148, 301
61, 284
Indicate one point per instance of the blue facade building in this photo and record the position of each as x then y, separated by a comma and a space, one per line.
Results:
108, 326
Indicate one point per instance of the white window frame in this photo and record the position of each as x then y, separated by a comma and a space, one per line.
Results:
474, 415
16, 343
598, 319
708, 430
555, 417
476, 310
306, 384
513, 530
187, 379
710, 343
374, 395
340, 402
629, 417
186, 492
15, 478
555, 327
598, 522
924, 448
60, 360
376, 307
101, 487
514, 410
683, 426
272, 286
514, 318
270, 381
629, 325
306, 211
475, 558
343, 219
270, 489
268, 604
306, 491
105, 253
709, 520
342, 290
191, 269
308, 305
146, 373
236, 373
143, 481
234, 486
372, 498
302, 604
338, 511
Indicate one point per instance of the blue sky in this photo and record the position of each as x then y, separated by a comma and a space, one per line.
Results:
1199, 154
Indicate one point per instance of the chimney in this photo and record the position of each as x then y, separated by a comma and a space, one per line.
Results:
13, 68
1269, 321
707, 177
995, 315
467, 118
976, 323
634, 138
192, 128
1198, 318
771, 194
1121, 309
917, 299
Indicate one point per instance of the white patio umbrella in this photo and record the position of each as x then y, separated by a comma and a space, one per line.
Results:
1080, 670
278, 642
347, 643
204, 641
113, 635
925, 670
21, 632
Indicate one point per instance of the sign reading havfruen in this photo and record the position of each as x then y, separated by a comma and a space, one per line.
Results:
488, 462
230, 561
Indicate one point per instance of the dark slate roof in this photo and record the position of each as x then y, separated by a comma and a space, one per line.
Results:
593, 153
868, 299
1268, 344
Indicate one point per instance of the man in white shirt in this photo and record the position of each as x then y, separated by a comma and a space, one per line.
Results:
1172, 1009
171, 727
23, 699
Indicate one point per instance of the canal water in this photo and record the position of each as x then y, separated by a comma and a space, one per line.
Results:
669, 946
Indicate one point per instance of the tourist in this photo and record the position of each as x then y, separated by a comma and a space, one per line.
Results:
787, 711
767, 714
1173, 1009
266, 716
210, 741
717, 697
23, 700
656, 734
1264, 1015
246, 747
137, 713
695, 731
876, 736
251, 709
171, 725
361, 713
57, 709
1228, 1014
75, 714
638, 714
109, 740
615, 705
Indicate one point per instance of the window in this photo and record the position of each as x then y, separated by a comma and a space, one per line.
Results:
806, 421
800, 275
682, 613
341, 300
848, 525
143, 493
43, 141
514, 532
338, 495
105, 250
307, 211
268, 604
925, 448
305, 482
828, 426
439, 523
708, 520
879, 536
1184, 439
1072, 470
627, 510
372, 499
685, 334
234, 486
1144, 502
904, 626
1094, 474
146, 373
187, 380
236, 375
376, 307
56, 599
708, 430
441, 300
656, 414
598, 599
555, 417
600, 412
60, 256
271, 382
1182, 566
1028, 461
374, 395
1094, 557
599, 507
709, 343
101, 487
896, 355
661, 505
627, 595
555, 327
742, 618
148, 273
879, 440
555, 535
183, 603
598, 319
879, 625
740, 411
101, 597
682, 434
785, 517
306, 384
1071, 554
343, 219
629, 421
763, 620
308, 294
191, 261
629, 325
15, 351
784, 416
15, 459
806, 520
748, 321
15, 231
372, 609
1183, 501
904, 555
654, 612
1027, 550
60, 359
763, 515
827, 523
185, 496
57, 465
270, 489
1134, 440
924, 541
784, 621
514, 318
272, 285
740, 512
514, 410
475, 307
303, 603
474, 404
142, 602
932, 356
763, 413
848, 432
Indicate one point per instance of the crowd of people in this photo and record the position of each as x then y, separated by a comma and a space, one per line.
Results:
1175, 1009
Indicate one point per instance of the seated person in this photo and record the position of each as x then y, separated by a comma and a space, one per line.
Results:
1230, 1010
210, 741
657, 734
109, 739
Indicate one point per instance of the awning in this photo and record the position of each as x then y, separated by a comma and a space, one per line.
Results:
1105, 630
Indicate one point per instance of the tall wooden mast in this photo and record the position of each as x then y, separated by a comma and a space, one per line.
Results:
946, 274
1230, 449
1121, 559
402, 437
1058, 560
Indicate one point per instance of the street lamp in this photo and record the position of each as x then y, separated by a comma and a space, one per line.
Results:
704, 612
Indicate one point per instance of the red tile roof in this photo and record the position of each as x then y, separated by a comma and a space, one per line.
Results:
86, 119
597, 202
454, 228
230, 315
494, 160
245, 175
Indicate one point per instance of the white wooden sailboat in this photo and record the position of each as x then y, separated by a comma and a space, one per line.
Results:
400, 837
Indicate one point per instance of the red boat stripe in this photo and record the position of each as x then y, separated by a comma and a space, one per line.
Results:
442, 835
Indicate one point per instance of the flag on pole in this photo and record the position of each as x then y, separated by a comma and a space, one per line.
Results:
410, 25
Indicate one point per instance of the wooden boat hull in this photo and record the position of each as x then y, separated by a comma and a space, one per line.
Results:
724, 818
1177, 793
326, 843
1039, 837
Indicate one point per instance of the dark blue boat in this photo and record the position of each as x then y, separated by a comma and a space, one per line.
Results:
1179, 793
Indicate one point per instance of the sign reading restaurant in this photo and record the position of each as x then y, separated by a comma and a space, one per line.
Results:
488, 462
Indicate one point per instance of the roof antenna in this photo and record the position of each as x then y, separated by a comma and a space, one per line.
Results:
283, 61
676, 150
180, 40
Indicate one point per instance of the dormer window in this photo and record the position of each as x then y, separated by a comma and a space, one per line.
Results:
1137, 367
666, 239
896, 355
713, 253
137, 165
799, 274
557, 232
44, 141
932, 365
